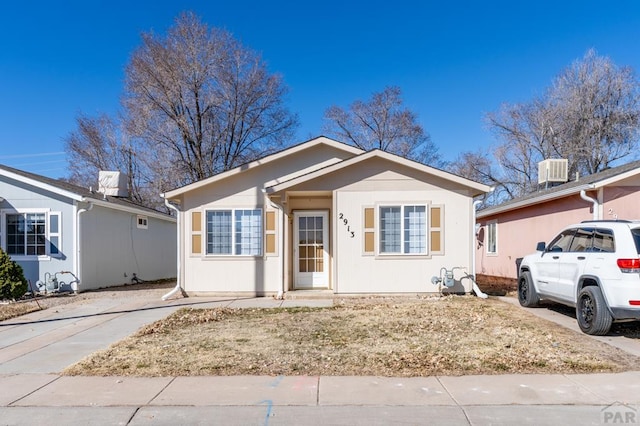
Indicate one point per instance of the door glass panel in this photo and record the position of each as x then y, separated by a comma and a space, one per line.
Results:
310, 244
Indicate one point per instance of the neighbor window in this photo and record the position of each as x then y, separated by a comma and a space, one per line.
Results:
143, 222
32, 233
234, 232
492, 237
403, 229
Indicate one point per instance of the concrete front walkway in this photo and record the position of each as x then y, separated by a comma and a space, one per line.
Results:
35, 348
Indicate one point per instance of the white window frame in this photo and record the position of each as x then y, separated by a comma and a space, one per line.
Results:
48, 215
492, 225
142, 221
234, 242
402, 207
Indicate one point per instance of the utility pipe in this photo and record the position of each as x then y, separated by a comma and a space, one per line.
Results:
78, 249
584, 196
280, 295
178, 268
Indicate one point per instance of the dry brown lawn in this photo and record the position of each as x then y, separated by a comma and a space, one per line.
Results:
454, 335
12, 310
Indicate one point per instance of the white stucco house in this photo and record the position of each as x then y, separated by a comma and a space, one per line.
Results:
323, 215
49, 226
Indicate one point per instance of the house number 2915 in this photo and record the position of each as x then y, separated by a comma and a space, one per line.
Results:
345, 222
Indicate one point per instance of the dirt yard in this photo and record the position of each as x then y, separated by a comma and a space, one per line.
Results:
453, 335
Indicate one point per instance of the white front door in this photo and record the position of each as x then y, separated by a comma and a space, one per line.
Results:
311, 249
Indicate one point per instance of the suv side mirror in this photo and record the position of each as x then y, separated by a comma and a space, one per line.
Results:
541, 246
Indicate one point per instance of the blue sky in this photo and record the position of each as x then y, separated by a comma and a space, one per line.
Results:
454, 61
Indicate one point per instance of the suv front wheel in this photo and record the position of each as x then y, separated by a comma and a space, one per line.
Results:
527, 295
592, 313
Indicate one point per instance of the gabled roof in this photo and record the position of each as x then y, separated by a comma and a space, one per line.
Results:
263, 161
78, 193
590, 182
376, 153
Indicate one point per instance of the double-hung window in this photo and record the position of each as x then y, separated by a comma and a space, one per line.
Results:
403, 229
31, 234
234, 232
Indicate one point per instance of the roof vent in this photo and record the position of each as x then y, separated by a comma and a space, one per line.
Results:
553, 170
113, 183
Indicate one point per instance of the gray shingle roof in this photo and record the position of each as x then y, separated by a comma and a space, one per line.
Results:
78, 190
565, 187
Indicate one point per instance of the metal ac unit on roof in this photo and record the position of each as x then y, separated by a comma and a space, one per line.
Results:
553, 170
112, 183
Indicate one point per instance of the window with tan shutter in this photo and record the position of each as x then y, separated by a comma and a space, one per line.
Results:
270, 235
369, 230
436, 218
196, 232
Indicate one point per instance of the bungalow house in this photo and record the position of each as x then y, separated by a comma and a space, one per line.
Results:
511, 230
49, 226
324, 215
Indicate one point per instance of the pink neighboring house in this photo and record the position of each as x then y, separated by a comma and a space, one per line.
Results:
511, 230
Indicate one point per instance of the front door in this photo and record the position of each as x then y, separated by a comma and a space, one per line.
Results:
311, 249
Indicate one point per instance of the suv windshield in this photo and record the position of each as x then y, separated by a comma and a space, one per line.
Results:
636, 238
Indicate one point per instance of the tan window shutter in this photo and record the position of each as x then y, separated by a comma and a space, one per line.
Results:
270, 241
436, 230
196, 232
369, 230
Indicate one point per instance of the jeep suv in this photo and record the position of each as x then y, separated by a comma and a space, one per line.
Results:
593, 266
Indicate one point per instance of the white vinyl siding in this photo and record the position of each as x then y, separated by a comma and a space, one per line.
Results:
234, 232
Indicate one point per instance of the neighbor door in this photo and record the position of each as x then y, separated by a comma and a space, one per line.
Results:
311, 249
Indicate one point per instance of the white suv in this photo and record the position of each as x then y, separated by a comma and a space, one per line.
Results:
593, 266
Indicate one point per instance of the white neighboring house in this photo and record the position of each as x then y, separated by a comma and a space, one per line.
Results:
323, 215
48, 226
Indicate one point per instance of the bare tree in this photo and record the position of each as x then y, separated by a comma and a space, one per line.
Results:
204, 102
600, 108
382, 123
99, 144
590, 116
196, 102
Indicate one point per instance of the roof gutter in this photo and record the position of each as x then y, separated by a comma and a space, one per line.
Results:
534, 200
584, 196
280, 295
178, 267
475, 287
78, 247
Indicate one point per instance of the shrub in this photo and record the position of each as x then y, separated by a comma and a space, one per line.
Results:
13, 284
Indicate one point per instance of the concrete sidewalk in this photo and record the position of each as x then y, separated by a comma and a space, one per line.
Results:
468, 400
35, 348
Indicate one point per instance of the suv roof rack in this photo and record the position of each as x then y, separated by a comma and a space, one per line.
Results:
609, 221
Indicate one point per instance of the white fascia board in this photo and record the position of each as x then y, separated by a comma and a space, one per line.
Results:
616, 178
262, 161
380, 154
42, 185
107, 204
534, 200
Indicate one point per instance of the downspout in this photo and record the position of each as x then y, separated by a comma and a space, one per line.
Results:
177, 288
78, 249
584, 196
280, 295
475, 287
